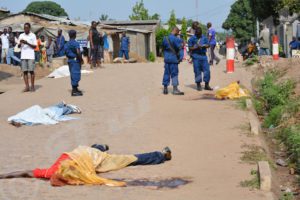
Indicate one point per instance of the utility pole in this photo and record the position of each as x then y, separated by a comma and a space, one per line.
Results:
197, 5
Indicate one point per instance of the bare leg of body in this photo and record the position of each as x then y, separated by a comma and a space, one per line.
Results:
18, 174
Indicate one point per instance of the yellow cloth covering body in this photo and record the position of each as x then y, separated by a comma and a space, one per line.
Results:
85, 162
232, 91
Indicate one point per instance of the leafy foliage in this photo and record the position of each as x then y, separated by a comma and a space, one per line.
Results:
151, 57
103, 17
160, 34
172, 21
274, 93
241, 20
46, 7
287, 196
251, 61
184, 28
253, 183
291, 137
139, 12
274, 117
270, 8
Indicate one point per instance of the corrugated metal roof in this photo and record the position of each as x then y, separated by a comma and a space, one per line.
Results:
134, 22
4, 10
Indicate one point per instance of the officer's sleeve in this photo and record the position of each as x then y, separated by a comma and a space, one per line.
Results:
164, 43
65, 48
128, 40
177, 44
205, 41
191, 42
76, 45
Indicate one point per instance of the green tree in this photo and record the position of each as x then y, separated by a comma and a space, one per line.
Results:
184, 28
46, 7
270, 8
160, 34
241, 20
139, 12
172, 21
155, 17
103, 17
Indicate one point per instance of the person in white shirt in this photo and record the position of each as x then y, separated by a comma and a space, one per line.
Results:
5, 45
17, 50
27, 44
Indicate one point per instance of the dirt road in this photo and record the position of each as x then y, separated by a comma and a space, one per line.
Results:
123, 107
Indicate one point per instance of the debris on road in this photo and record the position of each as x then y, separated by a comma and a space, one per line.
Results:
281, 163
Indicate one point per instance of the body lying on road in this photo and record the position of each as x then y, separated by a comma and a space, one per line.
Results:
81, 166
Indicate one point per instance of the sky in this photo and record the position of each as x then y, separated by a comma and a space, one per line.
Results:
214, 11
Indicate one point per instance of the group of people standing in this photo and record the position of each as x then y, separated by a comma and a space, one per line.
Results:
265, 42
9, 49
44, 51
198, 45
99, 46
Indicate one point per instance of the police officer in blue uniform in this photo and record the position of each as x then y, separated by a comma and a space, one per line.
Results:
125, 46
198, 45
72, 50
172, 45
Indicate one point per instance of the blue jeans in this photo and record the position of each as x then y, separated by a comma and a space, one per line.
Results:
75, 72
124, 52
62, 108
18, 55
213, 55
171, 72
11, 55
37, 55
60, 53
153, 158
201, 66
264, 51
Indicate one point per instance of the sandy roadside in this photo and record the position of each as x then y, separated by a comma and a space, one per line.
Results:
123, 107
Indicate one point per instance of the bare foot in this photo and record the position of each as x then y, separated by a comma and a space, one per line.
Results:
26, 90
32, 89
16, 124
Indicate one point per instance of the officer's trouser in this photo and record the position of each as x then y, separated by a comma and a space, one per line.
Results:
201, 66
75, 73
171, 72
125, 53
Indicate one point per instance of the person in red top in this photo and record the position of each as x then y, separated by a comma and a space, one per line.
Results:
37, 52
152, 158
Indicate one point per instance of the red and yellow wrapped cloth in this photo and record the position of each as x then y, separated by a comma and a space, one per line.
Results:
232, 91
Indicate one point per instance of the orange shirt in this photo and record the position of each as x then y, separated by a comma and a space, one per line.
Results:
38, 41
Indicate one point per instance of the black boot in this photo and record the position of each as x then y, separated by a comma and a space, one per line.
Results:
199, 87
176, 91
207, 87
165, 92
76, 92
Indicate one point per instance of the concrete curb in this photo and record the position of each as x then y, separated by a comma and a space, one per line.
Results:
270, 196
253, 118
265, 176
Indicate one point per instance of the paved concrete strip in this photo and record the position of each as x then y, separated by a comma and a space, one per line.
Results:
253, 118
265, 175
